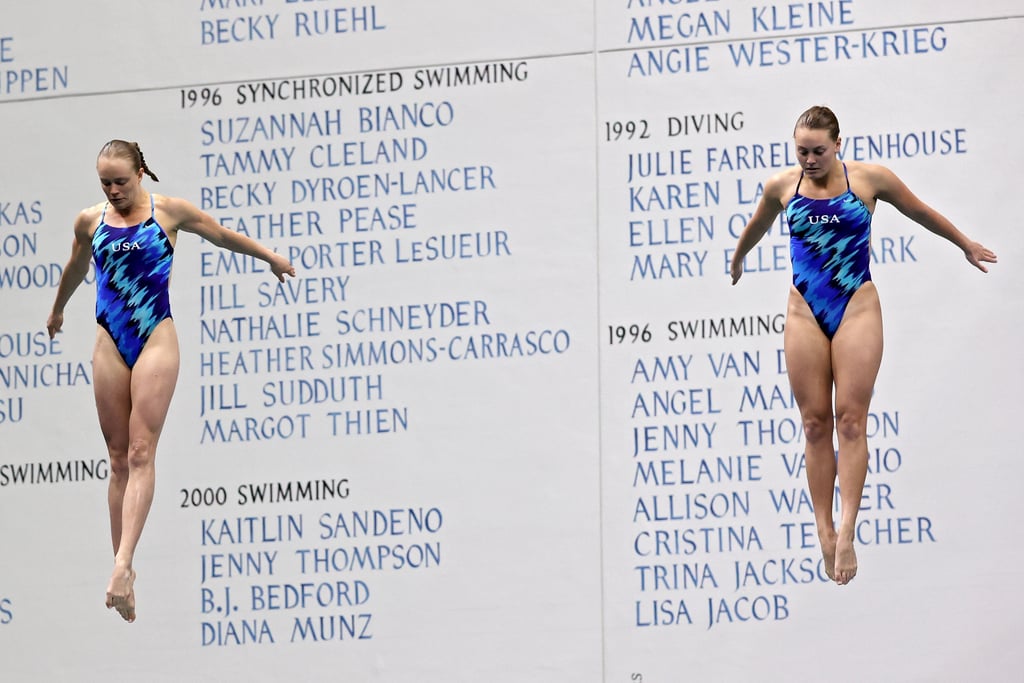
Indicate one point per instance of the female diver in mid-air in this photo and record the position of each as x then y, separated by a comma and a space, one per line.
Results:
833, 337
131, 237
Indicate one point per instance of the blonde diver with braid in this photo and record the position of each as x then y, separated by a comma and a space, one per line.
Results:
131, 238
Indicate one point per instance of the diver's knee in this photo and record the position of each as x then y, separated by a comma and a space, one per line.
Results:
817, 426
851, 425
118, 461
140, 453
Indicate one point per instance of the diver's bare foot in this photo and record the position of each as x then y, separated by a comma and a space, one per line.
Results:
846, 560
828, 552
121, 592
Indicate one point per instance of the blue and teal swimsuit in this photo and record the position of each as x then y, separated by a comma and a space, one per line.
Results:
133, 271
830, 246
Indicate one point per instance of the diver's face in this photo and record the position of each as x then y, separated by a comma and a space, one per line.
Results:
815, 150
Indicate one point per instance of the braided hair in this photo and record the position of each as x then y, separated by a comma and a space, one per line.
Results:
130, 151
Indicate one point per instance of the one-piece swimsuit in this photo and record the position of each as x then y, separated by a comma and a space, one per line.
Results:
133, 270
830, 246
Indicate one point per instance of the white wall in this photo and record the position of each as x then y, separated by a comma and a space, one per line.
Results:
508, 431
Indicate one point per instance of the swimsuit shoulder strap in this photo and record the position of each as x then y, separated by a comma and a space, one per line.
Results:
846, 173
796, 190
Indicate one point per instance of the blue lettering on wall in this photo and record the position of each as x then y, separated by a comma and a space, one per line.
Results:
341, 254
262, 327
278, 159
791, 501
784, 571
229, 565
256, 361
674, 197
873, 497
664, 612
801, 16
307, 291
228, 4
678, 576
15, 214
343, 389
672, 437
33, 80
333, 627
523, 344
893, 250
308, 595
894, 531
905, 145
771, 431
730, 364
235, 196
6, 611
401, 183
769, 398
36, 276
337, 20
12, 409
745, 608
838, 47
670, 231
682, 26
261, 226
251, 529
692, 401
379, 557
369, 421
218, 297
706, 540
238, 632
367, 153
44, 375
375, 218
250, 29
675, 60
246, 429
241, 130
673, 507
688, 472
675, 265
213, 397
455, 246
382, 117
